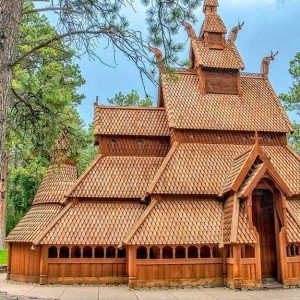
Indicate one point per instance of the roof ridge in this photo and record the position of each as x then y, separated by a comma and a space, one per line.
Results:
278, 104
130, 107
38, 239
83, 175
139, 222
161, 169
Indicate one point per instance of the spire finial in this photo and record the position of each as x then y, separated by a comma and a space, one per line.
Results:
234, 32
265, 66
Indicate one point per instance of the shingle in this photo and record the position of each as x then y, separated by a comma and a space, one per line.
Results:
132, 121
94, 223
56, 182
117, 177
213, 23
227, 58
34, 222
182, 222
257, 109
203, 168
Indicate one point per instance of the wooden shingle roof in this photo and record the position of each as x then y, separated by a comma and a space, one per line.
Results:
213, 23
203, 168
257, 109
130, 121
116, 177
227, 58
56, 182
34, 222
185, 222
94, 223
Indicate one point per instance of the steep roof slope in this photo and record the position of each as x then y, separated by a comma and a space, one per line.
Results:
257, 108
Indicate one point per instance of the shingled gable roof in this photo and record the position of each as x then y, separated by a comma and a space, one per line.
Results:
187, 108
202, 169
58, 179
130, 121
116, 177
93, 223
185, 222
34, 222
242, 178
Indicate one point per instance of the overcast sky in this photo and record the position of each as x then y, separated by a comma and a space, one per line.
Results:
269, 25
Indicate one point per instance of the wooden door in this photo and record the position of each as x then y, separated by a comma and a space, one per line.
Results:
263, 220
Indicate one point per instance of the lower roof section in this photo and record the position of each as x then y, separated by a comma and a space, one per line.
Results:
34, 222
175, 221
197, 169
293, 220
94, 223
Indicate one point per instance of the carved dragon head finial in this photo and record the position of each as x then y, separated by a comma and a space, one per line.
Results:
234, 32
266, 64
189, 29
159, 57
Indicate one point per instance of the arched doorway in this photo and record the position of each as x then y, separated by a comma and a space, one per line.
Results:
263, 220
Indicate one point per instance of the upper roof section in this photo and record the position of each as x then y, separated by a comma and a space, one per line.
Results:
130, 121
257, 108
56, 182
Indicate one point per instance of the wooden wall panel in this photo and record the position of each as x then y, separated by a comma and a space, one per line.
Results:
144, 146
293, 270
25, 263
226, 137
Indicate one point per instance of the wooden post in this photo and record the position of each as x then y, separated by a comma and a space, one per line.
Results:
258, 276
43, 265
132, 266
9, 261
237, 276
282, 254
224, 255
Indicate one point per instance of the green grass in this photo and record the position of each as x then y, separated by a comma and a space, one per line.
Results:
3, 257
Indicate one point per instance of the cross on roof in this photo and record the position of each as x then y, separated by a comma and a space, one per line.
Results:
256, 138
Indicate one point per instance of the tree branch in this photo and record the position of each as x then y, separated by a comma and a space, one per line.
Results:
57, 38
26, 12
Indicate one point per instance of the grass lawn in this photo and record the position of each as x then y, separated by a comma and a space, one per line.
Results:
3, 257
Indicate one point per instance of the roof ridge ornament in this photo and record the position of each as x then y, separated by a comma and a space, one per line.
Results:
213, 4
189, 29
159, 57
234, 32
265, 65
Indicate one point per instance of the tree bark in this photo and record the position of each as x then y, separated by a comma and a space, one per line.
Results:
10, 14
3, 195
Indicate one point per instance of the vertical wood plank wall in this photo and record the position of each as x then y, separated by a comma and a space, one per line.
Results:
25, 263
293, 270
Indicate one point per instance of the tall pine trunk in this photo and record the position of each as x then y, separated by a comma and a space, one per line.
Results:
10, 15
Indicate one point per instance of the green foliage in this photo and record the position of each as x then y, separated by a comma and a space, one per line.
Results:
292, 100
131, 99
45, 87
3, 257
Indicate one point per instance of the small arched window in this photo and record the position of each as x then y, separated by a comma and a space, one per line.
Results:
64, 252
122, 253
99, 252
52, 252
248, 251
87, 252
179, 252
192, 252
204, 252
111, 252
292, 250
216, 251
167, 252
154, 252
75, 252
141, 252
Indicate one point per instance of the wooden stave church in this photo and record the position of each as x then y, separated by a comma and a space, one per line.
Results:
180, 193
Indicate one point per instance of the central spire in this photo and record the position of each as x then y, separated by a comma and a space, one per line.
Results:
210, 6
